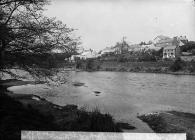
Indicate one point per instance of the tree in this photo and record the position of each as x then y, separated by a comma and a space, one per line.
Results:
122, 47
142, 43
24, 32
189, 46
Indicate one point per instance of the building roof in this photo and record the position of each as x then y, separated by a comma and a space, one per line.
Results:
161, 37
168, 40
135, 46
170, 47
108, 49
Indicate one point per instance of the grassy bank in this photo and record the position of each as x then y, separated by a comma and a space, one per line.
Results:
171, 122
170, 67
30, 112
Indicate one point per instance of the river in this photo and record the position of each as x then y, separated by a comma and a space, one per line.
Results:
124, 95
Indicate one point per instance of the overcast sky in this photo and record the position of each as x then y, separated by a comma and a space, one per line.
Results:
101, 23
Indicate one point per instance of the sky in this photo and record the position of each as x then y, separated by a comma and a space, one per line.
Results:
102, 23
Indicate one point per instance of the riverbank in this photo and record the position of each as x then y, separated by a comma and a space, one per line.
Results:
30, 112
26, 112
147, 67
165, 67
171, 122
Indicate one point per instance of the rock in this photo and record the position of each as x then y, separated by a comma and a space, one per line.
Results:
78, 84
36, 98
97, 92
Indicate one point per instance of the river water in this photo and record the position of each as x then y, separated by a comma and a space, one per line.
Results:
124, 95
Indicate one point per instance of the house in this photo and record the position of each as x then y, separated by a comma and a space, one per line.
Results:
107, 51
85, 55
135, 47
159, 38
150, 47
122, 47
183, 39
162, 41
172, 51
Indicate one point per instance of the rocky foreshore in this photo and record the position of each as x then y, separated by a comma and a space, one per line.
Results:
171, 122
31, 112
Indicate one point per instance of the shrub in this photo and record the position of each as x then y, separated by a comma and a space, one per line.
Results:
121, 58
15, 117
78, 64
89, 64
155, 122
177, 65
92, 64
95, 121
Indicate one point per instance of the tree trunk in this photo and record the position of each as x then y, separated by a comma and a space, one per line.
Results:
2, 55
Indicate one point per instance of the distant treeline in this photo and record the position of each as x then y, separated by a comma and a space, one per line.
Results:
189, 47
160, 66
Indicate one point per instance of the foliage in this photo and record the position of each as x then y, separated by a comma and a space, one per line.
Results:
146, 57
142, 43
171, 122
14, 118
91, 64
190, 66
158, 54
78, 64
177, 65
121, 58
95, 122
188, 47
122, 47
25, 31
156, 122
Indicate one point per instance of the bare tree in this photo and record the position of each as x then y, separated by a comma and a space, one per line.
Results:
24, 32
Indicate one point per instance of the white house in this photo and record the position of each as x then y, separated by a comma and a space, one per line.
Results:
171, 46
171, 51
